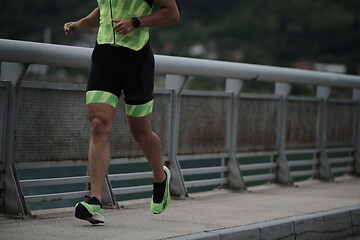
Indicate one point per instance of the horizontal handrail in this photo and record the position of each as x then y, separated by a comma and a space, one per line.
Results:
56, 196
69, 56
53, 181
207, 182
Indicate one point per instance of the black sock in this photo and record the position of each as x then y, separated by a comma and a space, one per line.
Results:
159, 191
94, 201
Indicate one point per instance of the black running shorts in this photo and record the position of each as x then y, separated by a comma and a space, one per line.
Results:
116, 69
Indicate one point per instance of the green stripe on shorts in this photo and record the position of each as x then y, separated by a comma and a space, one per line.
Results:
96, 96
139, 110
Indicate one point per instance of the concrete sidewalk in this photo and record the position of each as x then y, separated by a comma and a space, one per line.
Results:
205, 213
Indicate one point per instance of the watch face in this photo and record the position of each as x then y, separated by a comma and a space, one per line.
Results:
136, 22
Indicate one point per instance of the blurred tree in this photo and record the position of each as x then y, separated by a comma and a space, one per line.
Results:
265, 32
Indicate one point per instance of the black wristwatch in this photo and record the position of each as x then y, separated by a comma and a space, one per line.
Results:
136, 22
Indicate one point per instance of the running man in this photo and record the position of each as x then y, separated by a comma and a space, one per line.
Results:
122, 61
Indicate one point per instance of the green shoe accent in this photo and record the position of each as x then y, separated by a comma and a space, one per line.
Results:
157, 208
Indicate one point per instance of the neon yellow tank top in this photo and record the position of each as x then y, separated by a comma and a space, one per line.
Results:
123, 9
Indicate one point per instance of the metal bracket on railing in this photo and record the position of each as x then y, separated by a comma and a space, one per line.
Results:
235, 179
356, 96
325, 168
177, 184
14, 199
283, 170
108, 198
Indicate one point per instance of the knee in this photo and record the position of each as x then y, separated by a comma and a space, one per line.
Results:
140, 136
100, 128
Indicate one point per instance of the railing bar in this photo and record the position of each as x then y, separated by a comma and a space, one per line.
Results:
259, 177
205, 93
56, 196
302, 151
53, 181
194, 171
53, 86
202, 156
297, 163
77, 163
302, 173
129, 176
342, 169
256, 154
257, 166
259, 96
2, 185
54, 164
135, 189
304, 99
333, 100
341, 160
208, 182
350, 149
117, 161
41, 53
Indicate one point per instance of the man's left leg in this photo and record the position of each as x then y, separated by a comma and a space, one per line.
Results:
150, 144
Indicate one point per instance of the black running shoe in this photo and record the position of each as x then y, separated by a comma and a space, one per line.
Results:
90, 210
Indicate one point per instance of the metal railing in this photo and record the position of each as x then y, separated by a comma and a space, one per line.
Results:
236, 138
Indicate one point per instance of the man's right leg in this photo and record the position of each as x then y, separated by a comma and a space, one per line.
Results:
100, 116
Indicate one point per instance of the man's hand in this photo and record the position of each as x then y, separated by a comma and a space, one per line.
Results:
71, 27
123, 26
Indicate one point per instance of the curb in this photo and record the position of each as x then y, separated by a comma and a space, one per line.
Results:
331, 225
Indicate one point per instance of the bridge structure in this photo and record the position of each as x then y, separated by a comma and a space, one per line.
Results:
234, 138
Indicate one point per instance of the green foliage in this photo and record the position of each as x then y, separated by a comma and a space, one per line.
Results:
27, 20
268, 32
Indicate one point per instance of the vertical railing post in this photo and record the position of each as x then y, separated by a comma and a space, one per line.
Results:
177, 184
14, 199
235, 179
283, 170
108, 197
356, 96
325, 173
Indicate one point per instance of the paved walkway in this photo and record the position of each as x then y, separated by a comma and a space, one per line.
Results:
202, 212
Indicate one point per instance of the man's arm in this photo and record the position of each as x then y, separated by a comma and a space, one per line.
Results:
168, 14
90, 21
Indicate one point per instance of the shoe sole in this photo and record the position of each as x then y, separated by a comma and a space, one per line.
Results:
81, 212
